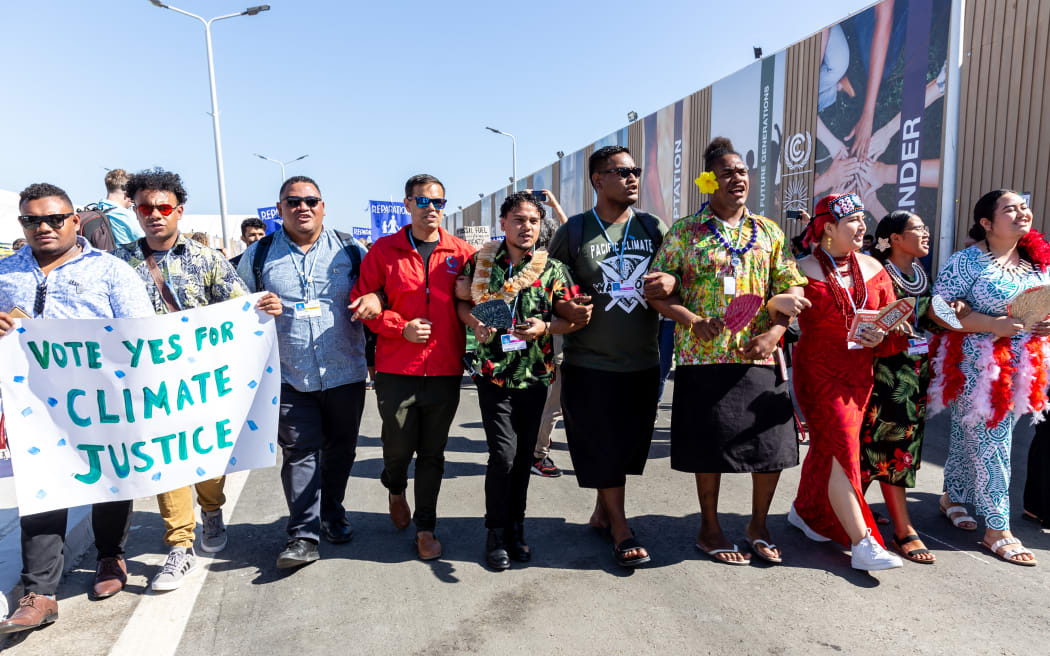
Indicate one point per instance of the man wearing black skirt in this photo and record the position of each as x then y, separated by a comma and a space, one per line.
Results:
612, 367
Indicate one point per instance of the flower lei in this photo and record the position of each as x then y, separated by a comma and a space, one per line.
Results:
479, 288
707, 182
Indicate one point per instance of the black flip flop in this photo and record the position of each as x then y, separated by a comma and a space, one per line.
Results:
630, 544
909, 555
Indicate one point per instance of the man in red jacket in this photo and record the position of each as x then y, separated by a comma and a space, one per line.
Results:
419, 352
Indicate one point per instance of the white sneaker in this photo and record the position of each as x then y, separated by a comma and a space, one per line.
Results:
868, 555
181, 561
796, 521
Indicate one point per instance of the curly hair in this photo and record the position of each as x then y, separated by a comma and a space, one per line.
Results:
518, 198
39, 190
716, 150
156, 179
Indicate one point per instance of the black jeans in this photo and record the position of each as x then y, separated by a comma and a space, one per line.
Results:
512, 420
317, 432
44, 535
1037, 484
417, 412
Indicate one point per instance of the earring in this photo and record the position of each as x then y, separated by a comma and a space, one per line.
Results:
827, 242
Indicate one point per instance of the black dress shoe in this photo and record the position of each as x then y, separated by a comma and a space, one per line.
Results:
296, 553
337, 532
496, 556
514, 541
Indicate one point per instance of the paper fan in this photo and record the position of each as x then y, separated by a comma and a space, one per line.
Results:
944, 312
741, 311
1031, 305
494, 314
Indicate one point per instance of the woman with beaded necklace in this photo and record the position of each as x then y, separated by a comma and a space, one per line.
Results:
833, 379
891, 438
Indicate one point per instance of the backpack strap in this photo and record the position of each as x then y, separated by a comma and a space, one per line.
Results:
651, 228
350, 246
574, 226
262, 249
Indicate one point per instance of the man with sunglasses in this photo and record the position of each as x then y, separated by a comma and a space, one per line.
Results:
180, 273
611, 370
60, 276
419, 352
323, 366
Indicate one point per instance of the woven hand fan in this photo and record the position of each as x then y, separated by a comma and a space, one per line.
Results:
494, 314
741, 310
1031, 305
944, 312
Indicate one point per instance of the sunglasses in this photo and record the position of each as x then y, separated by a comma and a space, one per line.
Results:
294, 201
423, 201
625, 171
30, 222
147, 210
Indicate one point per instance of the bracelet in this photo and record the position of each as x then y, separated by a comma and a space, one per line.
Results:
546, 328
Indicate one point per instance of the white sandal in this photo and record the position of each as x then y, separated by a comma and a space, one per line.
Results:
1008, 556
713, 553
958, 519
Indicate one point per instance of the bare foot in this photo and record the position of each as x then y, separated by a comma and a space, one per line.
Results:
599, 519
624, 534
711, 539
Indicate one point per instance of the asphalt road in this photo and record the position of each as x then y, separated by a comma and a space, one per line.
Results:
372, 596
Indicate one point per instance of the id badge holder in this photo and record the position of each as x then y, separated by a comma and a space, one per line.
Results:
621, 290
511, 343
729, 286
308, 309
918, 346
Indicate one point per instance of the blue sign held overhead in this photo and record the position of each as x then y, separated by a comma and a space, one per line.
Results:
387, 218
361, 233
269, 217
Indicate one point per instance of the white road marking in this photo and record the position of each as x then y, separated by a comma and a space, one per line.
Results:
953, 547
159, 620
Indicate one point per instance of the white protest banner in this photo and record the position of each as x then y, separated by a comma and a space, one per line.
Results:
110, 409
476, 236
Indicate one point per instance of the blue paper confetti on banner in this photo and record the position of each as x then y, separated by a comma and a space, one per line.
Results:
40, 494
119, 374
52, 401
252, 384
259, 333
272, 450
114, 489
109, 329
19, 379
200, 471
251, 425
274, 400
61, 442
33, 450
185, 320
156, 476
247, 306
27, 412
20, 330
192, 359
233, 461
269, 370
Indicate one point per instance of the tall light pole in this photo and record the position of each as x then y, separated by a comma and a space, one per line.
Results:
282, 164
250, 11
514, 156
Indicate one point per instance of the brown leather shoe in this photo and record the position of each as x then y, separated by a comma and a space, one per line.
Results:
400, 513
33, 611
110, 576
427, 545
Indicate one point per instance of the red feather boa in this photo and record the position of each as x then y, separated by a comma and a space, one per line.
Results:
954, 380
1036, 397
1002, 398
1035, 249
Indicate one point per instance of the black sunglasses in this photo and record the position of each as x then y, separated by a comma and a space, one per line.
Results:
41, 296
30, 222
625, 171
423, 201
294, 201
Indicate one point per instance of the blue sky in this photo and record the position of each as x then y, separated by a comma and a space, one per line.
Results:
374, 92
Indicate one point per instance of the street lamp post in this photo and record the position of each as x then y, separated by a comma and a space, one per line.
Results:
282, 164
250, 11
514, 157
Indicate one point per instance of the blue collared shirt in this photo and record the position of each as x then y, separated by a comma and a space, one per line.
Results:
317, 353
125, 223
92, 285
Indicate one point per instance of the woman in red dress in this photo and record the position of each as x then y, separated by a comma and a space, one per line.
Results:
833, 380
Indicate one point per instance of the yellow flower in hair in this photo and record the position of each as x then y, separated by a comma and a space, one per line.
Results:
707, 182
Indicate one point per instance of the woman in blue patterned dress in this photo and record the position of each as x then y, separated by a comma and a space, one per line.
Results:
987, 377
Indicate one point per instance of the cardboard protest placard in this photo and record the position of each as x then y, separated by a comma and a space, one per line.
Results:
113, 409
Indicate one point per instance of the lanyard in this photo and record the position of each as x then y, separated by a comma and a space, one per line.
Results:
842, 281
305, 279
623, 242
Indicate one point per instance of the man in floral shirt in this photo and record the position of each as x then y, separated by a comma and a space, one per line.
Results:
516, 364
180, 274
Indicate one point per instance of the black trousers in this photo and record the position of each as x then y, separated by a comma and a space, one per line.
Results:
317, 432
44, 535
512, 420
1037, 484
417, 412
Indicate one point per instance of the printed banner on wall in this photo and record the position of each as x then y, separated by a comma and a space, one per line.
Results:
573, 181
880, 108
748, 108
666, 143
387, 218
134, 407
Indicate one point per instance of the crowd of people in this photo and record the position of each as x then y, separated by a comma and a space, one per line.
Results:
569, 316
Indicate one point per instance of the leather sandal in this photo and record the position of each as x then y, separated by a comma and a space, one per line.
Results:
911, 555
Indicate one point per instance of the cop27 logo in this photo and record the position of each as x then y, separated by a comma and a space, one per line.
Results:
797, 152
452, 264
